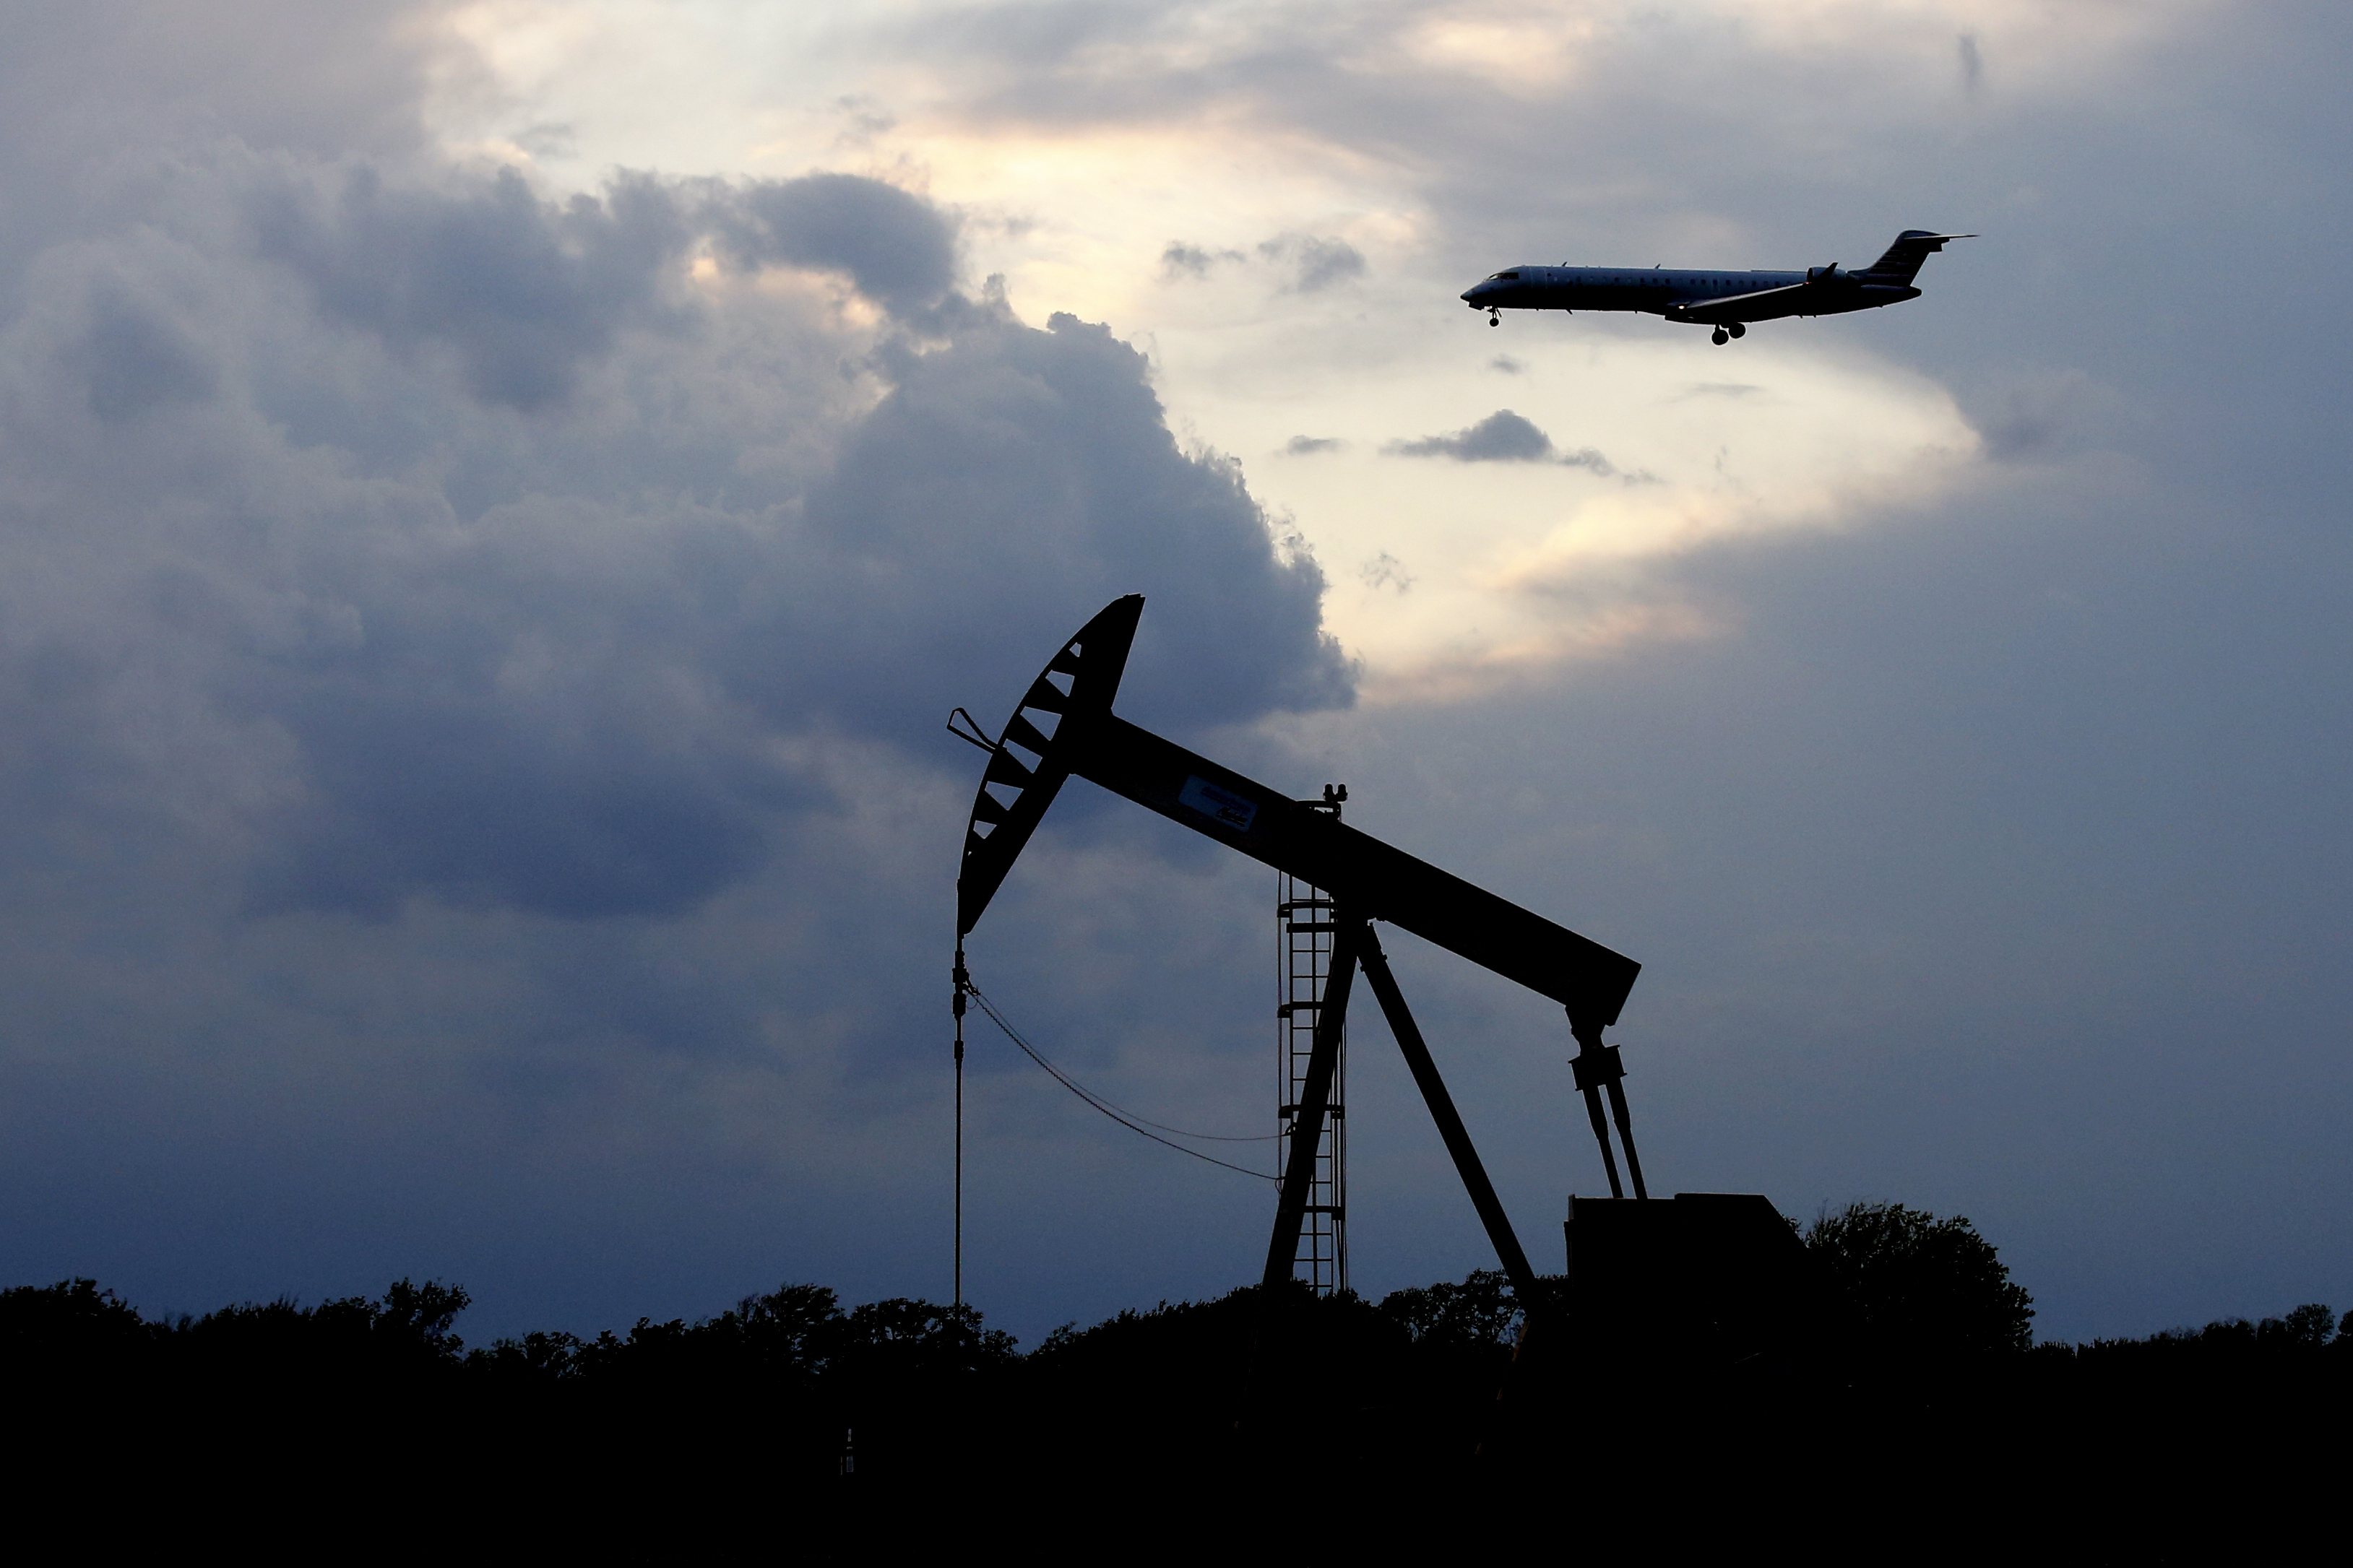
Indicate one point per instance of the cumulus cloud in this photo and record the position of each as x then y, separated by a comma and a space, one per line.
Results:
1500, 438
425, 514
473, 653
1314, 262
132, 359
1307, 263
899, 248
1182, 260
1048, 451
491, 642
1505, 436
519, 292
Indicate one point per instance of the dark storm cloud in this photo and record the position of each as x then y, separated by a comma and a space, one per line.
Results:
133, 358
473, 679
523, 291
546, 666
480, 722
519, 290
616, 781
475, 809
1048, 452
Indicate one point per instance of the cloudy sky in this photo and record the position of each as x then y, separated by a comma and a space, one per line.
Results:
499, 497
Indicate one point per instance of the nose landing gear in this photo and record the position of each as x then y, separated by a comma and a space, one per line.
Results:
1494, 318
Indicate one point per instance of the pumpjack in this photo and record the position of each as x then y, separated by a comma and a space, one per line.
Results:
1064, 727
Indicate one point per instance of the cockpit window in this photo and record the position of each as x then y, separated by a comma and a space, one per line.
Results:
1504, 277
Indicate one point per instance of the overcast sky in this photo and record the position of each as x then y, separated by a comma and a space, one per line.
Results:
500, 499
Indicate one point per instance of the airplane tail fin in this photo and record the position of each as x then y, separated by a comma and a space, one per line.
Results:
1901, 264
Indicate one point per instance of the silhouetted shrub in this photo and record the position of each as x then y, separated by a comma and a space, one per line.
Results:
1906, 1287
71, 1328
792, 1339
1482, 1310
2304, 1333
406, 1335
2307, 1326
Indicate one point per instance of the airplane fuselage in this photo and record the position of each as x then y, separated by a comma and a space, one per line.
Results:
1674, 293
1723, 298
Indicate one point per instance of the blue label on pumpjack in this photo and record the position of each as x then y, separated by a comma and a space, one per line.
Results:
1221, 805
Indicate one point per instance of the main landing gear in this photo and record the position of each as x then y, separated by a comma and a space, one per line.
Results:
1729, 330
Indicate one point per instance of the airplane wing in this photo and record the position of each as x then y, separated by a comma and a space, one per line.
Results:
1762, 304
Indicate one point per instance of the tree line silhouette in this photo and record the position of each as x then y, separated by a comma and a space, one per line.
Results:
1898, 1289
1916, 1336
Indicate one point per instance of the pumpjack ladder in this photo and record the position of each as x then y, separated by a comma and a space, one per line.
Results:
1304, 936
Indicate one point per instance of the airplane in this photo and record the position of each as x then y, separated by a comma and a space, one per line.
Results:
1726, 300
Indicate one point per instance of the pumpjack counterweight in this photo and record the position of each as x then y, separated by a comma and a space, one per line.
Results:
1065, 728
